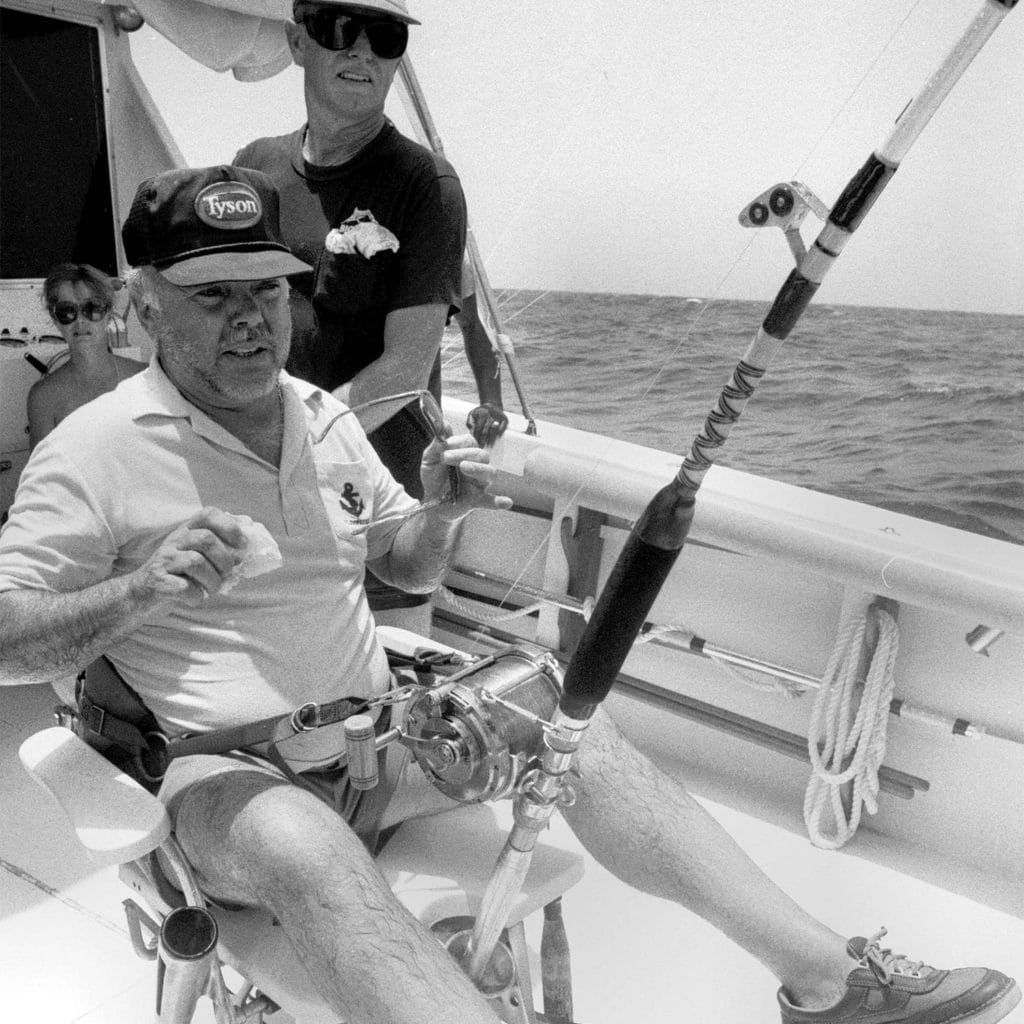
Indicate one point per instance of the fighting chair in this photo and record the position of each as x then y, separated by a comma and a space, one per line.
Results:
438, 868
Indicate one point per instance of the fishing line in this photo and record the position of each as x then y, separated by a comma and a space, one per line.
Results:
716, 291
871, 67
460, 350
601, 457
654, 543
532, 302
544, 170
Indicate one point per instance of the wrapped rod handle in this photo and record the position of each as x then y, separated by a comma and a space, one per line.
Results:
361, 748
643, 566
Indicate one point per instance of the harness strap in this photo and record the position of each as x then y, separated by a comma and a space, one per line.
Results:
276, 728
113, 718
108, 726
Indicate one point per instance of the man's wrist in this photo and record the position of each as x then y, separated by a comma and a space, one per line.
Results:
142, 592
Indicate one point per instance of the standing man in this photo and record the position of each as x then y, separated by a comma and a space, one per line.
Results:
382, 221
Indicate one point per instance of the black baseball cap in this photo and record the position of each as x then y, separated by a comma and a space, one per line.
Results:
200, 224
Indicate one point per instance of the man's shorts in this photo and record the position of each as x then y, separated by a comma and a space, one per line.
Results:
402, 793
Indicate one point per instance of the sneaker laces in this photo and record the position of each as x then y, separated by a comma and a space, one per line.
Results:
884, 964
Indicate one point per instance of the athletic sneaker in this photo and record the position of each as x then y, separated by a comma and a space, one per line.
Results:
888, 988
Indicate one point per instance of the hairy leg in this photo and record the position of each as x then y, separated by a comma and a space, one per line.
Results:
646, 829
257, 840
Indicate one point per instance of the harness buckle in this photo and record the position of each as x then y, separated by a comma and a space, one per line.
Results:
297, 723
160, 756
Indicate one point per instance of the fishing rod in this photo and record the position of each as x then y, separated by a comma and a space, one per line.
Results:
658, 536
418, 101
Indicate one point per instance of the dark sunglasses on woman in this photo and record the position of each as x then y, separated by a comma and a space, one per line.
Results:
337, 30
66, 313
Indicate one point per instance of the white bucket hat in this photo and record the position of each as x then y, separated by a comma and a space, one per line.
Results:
392, 8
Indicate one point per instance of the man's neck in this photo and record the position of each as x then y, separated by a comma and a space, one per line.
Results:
259, 425
328, 144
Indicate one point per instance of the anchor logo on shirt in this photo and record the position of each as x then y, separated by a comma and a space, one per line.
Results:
351, 502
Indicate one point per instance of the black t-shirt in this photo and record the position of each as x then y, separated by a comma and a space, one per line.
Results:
338, 311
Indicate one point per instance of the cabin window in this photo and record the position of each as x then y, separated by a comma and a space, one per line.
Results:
54, 170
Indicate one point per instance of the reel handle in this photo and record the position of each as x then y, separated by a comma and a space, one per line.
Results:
361, 750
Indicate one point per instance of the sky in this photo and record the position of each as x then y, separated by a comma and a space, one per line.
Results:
610, 147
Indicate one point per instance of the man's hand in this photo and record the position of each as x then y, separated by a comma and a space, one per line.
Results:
475, 476
196, 558
49, 635
487, 422
422, 545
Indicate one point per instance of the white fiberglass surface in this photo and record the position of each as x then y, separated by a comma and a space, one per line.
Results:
66, 958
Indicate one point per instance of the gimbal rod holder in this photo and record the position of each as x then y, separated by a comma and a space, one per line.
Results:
540, 794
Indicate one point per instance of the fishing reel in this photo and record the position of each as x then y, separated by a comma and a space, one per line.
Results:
478, 734
784, 206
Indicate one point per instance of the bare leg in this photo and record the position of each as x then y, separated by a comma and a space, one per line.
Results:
646, 829
257, 840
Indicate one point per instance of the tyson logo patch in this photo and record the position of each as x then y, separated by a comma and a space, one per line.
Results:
231, 205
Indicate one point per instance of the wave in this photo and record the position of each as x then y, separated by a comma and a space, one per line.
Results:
890, 407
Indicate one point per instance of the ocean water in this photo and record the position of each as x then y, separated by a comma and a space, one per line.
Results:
917, 411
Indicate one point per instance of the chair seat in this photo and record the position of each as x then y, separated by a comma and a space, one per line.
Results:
465, 842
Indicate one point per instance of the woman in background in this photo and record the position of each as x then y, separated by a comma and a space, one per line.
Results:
80, 301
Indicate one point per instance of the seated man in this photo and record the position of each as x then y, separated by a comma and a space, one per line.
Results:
126, 539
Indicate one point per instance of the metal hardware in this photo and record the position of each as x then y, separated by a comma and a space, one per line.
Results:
981, 638
476, 737
296, 720
138, 920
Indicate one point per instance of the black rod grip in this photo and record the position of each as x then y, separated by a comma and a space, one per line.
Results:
860, 194
635, 581
794, 297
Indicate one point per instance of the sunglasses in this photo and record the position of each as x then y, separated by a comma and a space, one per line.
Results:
335, 30
66, 313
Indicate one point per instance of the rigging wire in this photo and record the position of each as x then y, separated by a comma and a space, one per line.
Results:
522, 309
860, 83
715, 294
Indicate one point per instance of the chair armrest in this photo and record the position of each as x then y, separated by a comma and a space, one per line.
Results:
114, 818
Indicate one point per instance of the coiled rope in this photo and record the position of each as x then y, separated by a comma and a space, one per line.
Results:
845, 747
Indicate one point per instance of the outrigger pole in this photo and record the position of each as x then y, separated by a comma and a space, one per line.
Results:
485, 292
659, 535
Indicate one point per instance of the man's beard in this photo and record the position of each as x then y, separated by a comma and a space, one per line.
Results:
169, 340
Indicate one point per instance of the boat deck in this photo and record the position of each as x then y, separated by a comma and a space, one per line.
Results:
65, 956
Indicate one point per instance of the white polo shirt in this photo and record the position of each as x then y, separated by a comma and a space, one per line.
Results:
104, 488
